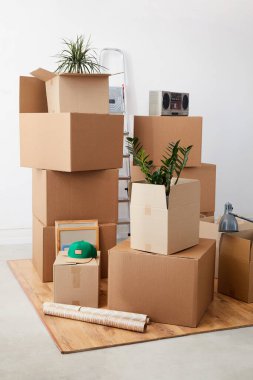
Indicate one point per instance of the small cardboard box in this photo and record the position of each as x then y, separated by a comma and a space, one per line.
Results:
236, 265
71, 142
71, 92
209, 229
72, 196
175, 289
156, 132
43, 250
206, 174
76, 284
162, 224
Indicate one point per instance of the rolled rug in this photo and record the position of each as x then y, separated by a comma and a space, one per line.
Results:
110, 318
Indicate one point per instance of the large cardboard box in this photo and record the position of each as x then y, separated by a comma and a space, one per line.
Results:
75, 196
209, 229
206, 174
156, 132
68, 92
43, 250
236, 265
71, 142
175, 289
162, 224
76, 284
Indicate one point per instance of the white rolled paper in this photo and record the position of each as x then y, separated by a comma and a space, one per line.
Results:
111, 318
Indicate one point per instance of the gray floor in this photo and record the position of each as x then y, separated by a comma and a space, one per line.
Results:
28, 352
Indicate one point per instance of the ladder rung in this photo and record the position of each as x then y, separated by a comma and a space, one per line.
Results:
124, 200
123, 221
126, 133
124, 178
126, 155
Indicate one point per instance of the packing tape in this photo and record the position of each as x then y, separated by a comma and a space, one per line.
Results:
148, 247
75, 270
147, 210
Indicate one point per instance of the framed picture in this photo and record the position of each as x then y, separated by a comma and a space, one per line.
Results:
70, 231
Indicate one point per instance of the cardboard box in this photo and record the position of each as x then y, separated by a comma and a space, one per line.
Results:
209, 229
32, 95
162, 224
107, 240
236, 265
76, 284
71, 142
206, 174
156, 132
71, 92
73, 196
43, 250
174, 289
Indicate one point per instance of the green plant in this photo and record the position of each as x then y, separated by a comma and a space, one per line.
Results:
173, 162
78, 57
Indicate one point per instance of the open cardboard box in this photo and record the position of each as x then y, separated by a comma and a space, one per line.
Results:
162, 224
206, 174
236, 265
156, 132
72, 92
174, 289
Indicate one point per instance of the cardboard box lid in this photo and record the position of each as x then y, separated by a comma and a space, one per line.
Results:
238, 244
154, 196
61, 260
46, 75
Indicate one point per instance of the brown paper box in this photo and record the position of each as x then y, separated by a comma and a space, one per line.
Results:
74, 196
175, 289
76, 284
43, 253
71, 142
164, 228
68, 92
206, 174
236, 265
209, 229
43, 250
156, 132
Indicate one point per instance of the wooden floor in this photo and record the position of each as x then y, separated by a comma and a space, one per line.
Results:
74, 336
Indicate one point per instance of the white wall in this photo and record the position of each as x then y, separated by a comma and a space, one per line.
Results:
200, 46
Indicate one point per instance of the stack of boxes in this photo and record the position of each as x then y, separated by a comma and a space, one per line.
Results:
75, 149
165, 270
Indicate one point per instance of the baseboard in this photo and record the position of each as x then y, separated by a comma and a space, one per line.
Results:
15, 236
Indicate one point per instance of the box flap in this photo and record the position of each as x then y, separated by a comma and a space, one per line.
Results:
84, 75
148, 195
61, 260
43, 74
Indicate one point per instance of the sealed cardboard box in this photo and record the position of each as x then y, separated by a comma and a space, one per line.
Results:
236, 265
43, 250
72, 196
156, 132
209, 229
73, 92
175, 289
76, 284
206, 174
71, 142
162, 224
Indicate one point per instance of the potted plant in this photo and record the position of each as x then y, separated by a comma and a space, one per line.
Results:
164, 209
77, 85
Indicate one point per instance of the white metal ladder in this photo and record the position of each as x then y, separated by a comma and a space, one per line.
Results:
125, 177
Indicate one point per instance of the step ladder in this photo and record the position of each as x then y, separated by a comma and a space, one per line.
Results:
119, 106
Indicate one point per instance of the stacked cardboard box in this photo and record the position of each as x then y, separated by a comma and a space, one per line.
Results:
75, 155
165, 270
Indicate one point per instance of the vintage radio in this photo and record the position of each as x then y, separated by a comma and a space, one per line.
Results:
167, 103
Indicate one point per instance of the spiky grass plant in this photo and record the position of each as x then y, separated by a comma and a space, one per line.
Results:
78, 57
173, 162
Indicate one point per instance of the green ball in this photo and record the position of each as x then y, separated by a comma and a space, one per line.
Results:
86, 250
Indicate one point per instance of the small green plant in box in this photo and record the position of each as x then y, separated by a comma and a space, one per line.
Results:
173, 162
